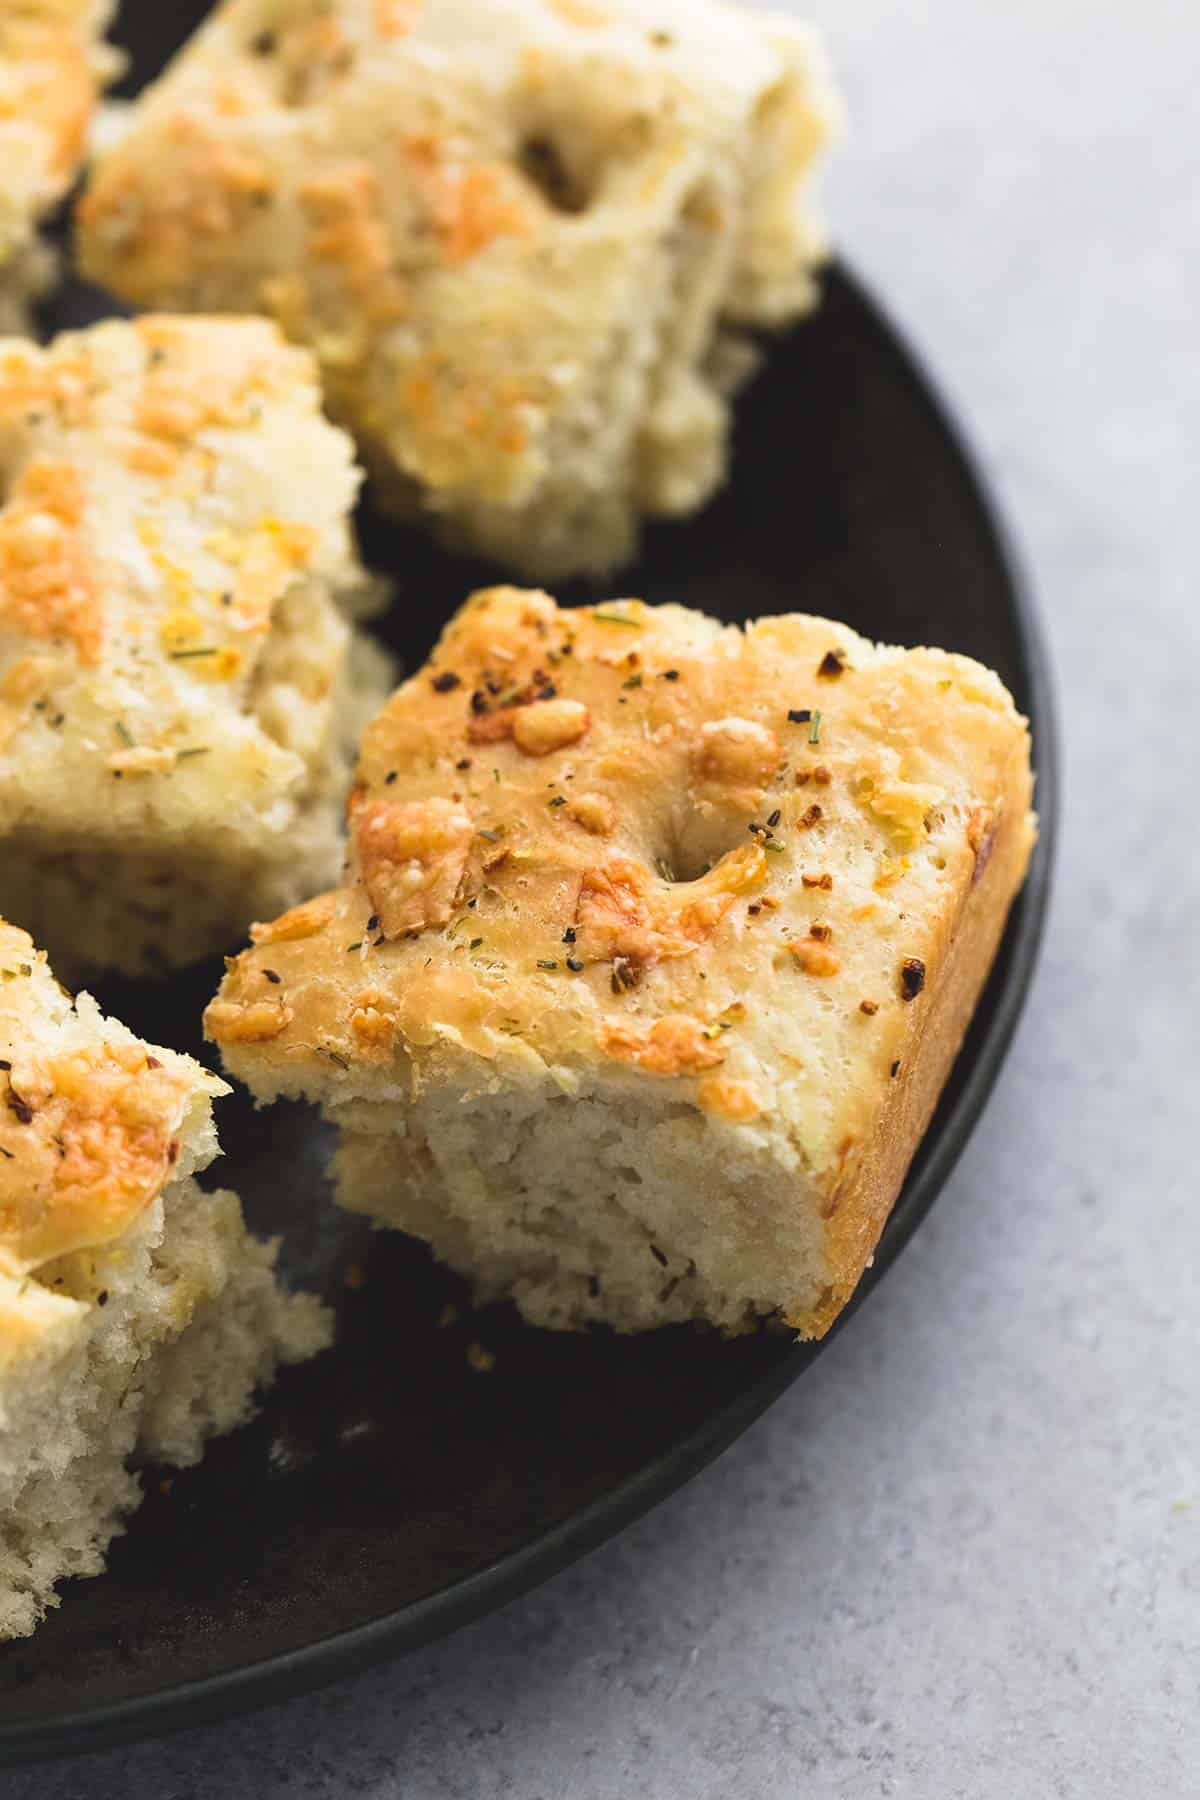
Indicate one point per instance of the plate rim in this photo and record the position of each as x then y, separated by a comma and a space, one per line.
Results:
292, 1673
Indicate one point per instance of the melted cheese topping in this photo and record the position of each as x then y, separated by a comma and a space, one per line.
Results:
92, 1122
660, 894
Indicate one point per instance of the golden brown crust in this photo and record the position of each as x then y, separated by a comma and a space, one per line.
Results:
662, 899
857, 1207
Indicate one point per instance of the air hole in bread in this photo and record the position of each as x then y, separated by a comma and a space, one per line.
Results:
542, 162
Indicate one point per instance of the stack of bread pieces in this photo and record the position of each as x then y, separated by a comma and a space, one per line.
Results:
136, 1311
525, 237
627, 951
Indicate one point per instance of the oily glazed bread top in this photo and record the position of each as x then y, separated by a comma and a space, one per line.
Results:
163, 484
93, 1125
452, 200
632, 839
50, 70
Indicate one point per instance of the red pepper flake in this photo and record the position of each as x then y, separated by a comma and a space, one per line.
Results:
912, 977
822, 933
824, 880
812, 816
870, 1007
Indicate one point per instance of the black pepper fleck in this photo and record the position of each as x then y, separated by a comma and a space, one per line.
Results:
912, 977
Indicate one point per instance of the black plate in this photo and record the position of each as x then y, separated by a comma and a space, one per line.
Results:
388, 1493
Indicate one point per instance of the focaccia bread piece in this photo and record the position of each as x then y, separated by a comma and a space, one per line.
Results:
660, 939
180, 689
52, 64
136, 1311
524, 237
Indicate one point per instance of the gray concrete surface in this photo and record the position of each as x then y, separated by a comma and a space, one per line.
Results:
963, 1558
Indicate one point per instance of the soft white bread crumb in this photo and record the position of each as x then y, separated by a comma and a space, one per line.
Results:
52, 64
524, 238
659, 942
180, 686
137, 1314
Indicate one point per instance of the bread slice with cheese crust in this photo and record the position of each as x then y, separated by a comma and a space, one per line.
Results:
180, 685
137, 1314
659, 942
52, 64
526, 238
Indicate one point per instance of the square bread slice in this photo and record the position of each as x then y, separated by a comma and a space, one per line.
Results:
52, 64
525, 238
660, 939
137, 1314
180, 689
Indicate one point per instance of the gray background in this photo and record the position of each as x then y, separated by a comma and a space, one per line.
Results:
962, 1558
